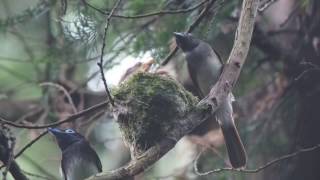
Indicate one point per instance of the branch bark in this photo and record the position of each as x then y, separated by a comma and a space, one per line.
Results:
6, 158
16, 172
208, 105
238, 53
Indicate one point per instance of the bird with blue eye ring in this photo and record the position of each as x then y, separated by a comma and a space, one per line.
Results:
79, 160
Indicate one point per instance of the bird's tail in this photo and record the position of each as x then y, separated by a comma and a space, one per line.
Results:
237, 154
235, 148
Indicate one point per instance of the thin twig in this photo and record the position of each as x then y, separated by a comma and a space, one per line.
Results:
291, 15
30, 114
36, 175
17, 75
30, 144
135, 33
66, 93
190, 29
163, 12
305, 72
265, 5
176, 173
260, 168
68, 119
27, 146
41, 169
313, 67
100, 64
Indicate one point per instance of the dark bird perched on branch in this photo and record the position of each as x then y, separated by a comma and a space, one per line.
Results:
79, 160
205, 67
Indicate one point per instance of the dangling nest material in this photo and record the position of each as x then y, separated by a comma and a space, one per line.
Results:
153, 105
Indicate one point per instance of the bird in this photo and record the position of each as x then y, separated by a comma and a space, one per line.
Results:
204, 67
79, 160
136, 68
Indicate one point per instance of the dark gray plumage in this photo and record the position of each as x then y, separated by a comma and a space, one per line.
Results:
205, 67
79, 160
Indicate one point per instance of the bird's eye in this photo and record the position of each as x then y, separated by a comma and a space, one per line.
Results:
69, 131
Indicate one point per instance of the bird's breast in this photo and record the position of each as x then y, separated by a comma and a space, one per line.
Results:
206, 69
78, 169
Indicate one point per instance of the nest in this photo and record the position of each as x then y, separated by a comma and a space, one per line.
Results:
152, 104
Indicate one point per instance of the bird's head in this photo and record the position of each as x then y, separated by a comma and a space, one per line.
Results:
186, 41
65, 137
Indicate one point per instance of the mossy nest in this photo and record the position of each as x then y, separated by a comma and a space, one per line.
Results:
153, 105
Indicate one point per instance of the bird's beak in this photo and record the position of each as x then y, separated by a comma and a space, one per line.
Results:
54, 131
178, 34
180, 38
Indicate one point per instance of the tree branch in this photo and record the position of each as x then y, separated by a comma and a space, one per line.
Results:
7, 142
163, 12
260, 168
100, 64
66, 93
240, 49
152, 155
27, 146
68, 119
226, 82
266, 5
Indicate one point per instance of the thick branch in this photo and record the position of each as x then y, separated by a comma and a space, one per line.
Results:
228, 78
134, 167
238, 53
16, 172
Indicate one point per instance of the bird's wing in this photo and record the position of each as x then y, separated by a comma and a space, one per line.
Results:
96, 159
87, 149
63, 167
80, 157
193, 72
235, 148
219, 57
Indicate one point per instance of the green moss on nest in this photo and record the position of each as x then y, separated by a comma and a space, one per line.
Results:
153, 102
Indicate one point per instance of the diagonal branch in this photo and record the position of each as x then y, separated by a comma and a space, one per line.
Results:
72, 117
208, 105
266, 5
238, 54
